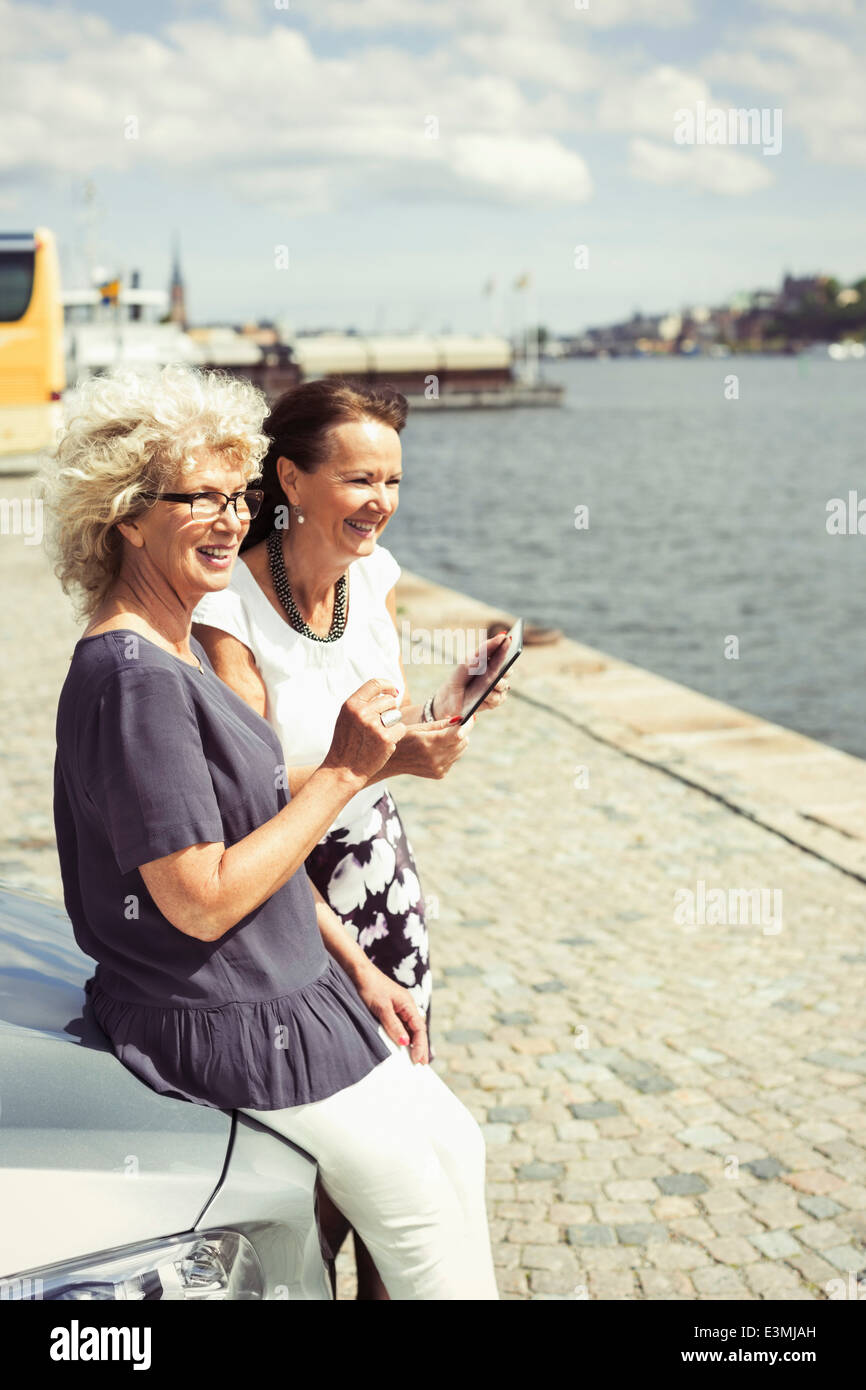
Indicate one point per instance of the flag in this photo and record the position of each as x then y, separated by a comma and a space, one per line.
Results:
109, 292
523, 281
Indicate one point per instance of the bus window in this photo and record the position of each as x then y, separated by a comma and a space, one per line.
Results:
16, 284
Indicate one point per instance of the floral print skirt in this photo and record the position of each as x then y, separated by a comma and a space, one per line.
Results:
366, 873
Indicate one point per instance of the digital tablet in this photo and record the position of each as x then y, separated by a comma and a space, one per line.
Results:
480, 686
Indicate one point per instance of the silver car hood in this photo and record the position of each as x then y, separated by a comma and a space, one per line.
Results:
90, 1157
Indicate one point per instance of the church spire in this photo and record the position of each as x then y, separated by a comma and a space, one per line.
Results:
177, 295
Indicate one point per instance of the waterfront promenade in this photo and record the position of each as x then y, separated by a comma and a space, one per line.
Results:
672, 1109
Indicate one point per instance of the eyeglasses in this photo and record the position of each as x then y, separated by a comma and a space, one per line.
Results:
204, 506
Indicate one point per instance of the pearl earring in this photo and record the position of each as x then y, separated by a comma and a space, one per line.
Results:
299, 515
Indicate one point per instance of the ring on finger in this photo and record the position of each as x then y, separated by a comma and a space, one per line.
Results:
389, 717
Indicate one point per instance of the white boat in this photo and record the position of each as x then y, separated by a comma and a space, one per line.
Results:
847, 351
128, 331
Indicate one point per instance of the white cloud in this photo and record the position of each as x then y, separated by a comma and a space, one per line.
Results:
649, 102
609, 14
276, 122
845, 9
35, 28
377, 14
708, 168
250, 13
522, 170
749, 70
503, 16
238, 92
812, 47
816, 80
537, 58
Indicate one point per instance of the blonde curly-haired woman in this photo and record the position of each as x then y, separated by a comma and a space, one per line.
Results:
233, 988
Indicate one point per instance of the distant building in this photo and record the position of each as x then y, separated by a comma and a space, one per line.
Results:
795, 292
177, 293
763, 299
264, 333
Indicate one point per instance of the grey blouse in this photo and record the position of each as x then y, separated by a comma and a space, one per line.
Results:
152, 756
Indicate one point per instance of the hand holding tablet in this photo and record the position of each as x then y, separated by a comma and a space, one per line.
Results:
480, 686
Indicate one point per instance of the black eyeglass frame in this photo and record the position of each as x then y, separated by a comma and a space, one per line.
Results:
256, 493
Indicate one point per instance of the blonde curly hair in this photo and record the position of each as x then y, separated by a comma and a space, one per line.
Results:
128, 433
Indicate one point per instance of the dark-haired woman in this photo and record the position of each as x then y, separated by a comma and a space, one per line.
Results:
309, 614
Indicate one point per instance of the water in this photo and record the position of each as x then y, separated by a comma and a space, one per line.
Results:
707, 519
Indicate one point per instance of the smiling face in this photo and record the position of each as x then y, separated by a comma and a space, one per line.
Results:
185, 557
350, 498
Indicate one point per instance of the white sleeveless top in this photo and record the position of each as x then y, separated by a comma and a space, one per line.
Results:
308, 681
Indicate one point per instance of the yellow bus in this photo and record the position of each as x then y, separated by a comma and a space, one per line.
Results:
31, 342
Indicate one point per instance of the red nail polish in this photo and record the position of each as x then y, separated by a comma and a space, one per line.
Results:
455, 720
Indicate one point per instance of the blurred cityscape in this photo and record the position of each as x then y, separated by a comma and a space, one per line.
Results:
110, 322
807, 313
54, 336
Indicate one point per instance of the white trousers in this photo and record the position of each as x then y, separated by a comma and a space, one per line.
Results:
403, 1159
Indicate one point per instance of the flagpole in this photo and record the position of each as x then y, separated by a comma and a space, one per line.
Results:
522, 283
533, 370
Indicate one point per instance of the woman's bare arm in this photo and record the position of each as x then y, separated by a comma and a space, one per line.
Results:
429, 750
235, 664
206, 889
411, 713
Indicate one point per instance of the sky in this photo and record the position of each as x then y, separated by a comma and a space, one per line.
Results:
378, 163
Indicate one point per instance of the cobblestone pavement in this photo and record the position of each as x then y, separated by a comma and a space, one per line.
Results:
671, 1112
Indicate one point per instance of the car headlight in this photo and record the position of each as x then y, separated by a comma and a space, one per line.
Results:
200, 1265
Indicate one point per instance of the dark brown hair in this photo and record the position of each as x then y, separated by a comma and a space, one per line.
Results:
299, 425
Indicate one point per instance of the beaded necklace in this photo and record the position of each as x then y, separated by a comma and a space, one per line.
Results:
287, 599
